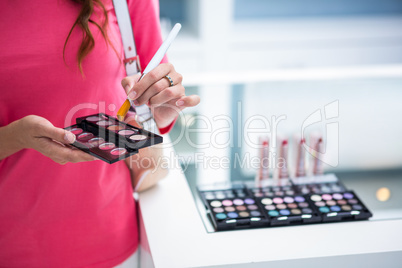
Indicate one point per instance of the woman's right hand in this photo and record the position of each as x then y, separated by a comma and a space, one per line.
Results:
39, 134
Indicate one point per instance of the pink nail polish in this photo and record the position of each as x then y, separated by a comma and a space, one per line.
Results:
132, 94
179, 103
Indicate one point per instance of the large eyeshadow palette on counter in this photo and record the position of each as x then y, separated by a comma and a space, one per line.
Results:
109, 139
281, 203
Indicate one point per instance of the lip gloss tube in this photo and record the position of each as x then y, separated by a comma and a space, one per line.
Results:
318, 168
263, 172
283, 154
300, 158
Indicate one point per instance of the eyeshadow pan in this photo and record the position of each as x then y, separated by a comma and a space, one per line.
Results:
337, 196
331, 203
220, 216
292, 205
216, 203
327, 197
346, 207
227, 203
266, 201
299, 199
244, 214
94, 118
324, 209
249, 201
96, 141
281, 206
115, 127
76, 130
238, 202
255, 213
85, 136
218, 210
118, 151
342, 202
270, 207
288, 199
104, 123
241, 208
107, 146
348, 195
278, 200
316, 198
230, 209
273, 213
284, 212
252, 207
138, 137
233, 215
352, 201
296, 211
335, 208
126, 132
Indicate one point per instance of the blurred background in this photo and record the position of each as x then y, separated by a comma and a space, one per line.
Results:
269, 58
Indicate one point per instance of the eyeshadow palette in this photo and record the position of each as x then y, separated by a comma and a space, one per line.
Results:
281, 202
109, 139
230, 209
288, 210
340, 206
318, 184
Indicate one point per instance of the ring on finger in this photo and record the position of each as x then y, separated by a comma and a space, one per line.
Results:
170, 80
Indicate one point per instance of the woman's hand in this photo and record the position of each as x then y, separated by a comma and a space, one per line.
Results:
155, 90
39, 134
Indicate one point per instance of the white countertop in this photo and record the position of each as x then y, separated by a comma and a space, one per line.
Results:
178, 238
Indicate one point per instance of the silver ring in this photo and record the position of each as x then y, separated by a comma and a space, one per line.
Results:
170, 80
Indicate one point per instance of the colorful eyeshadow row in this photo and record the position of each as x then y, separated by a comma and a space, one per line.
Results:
108, 139
229, 212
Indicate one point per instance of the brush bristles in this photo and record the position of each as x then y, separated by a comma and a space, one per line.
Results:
123, 110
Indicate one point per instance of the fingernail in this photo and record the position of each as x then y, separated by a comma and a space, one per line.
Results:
179, 103
69, 137
127, 88
132, 94
136, 102
95, 158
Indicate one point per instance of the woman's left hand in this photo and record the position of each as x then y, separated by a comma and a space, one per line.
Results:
155, 90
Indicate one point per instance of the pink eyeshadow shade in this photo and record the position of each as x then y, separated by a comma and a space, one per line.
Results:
104, 123
227, 203
76, 131
85, 136
107, 146
94, 118
118, 151
115, 127
126, 132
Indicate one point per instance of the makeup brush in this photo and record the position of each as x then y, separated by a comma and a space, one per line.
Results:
156, 59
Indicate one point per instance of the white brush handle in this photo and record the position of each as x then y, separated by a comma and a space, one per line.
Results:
157, 58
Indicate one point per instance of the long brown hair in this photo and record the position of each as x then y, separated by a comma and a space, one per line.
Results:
83, 20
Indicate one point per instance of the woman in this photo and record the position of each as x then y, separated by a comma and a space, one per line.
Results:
61, 60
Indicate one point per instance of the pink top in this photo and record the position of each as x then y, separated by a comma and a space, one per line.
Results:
74, 215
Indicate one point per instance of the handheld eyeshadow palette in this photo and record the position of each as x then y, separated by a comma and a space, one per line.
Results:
231, 209
341, 206
328, 183
109, 139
